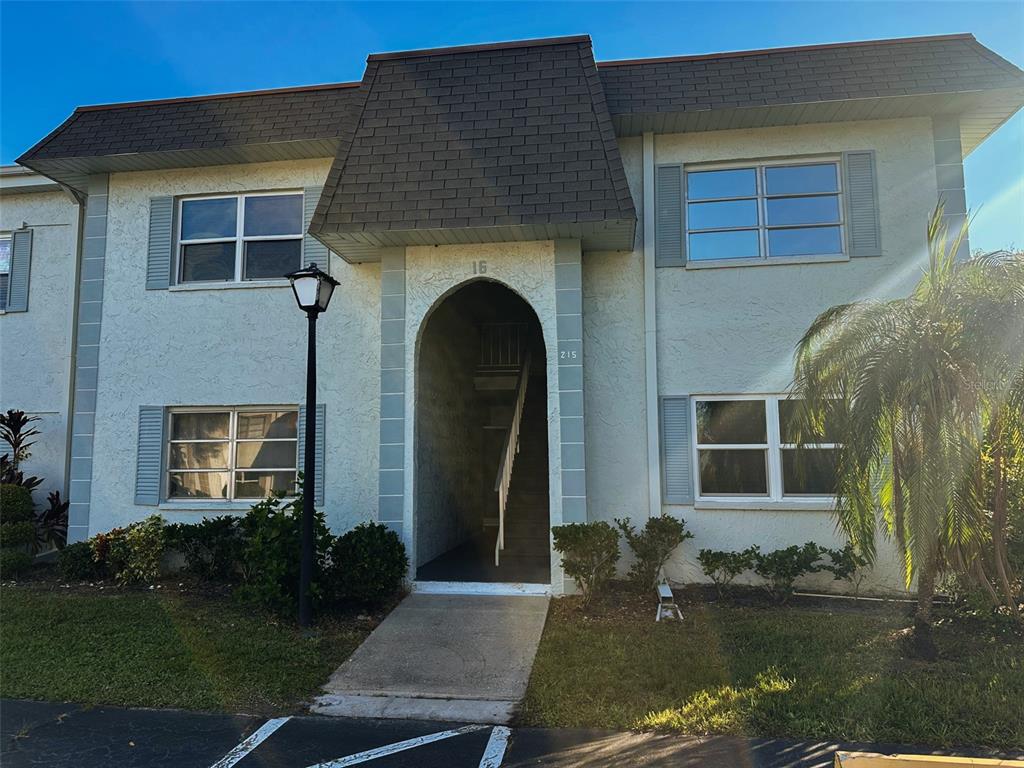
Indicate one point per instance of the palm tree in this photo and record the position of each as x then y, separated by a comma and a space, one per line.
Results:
918, 386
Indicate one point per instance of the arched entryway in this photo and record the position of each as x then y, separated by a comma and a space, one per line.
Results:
472, 391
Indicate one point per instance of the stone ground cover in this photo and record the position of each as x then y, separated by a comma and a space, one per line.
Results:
832, 671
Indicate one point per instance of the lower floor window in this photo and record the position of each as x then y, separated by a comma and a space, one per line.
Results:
236, 453
748, 447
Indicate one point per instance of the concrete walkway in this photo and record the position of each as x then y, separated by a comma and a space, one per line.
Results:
464, 658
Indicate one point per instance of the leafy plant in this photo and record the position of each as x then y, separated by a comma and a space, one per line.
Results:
652, 546
15, 503
52, 523
848, 565
131, 554
781, 568
589, 554
16, 432
14, 562
16, 529
272, 531
11, 475
723, 567
212, 548
367, 565
75, 563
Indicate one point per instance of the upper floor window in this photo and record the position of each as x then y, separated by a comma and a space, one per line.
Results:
5, 269
765, 211
242, 237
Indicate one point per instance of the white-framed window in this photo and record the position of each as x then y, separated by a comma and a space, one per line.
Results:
5, 269
745, 448
230, 453
782, 209
239, 238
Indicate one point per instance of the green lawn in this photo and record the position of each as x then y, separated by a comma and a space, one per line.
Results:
789, 672
162, 650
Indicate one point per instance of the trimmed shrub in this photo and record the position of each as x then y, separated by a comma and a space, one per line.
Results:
132, 554
723, 567
15, 535
367, 565
589, 553
212, 548
272, 532
14, 562
75, 563
16, 504
652, 547
781, 568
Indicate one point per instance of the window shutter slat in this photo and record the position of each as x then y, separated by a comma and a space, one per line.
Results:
149, 459
669, 202
21, 266
158, 258
321, 442
677, 473
863, 224
313, 251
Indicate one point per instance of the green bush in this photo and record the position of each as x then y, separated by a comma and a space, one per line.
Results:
75, 563
366, 566
15, 535
132, 554
16, 504
589, 553
212, 548
723, 567
781, 568
652, 547
14, 562
272, 532
847, 565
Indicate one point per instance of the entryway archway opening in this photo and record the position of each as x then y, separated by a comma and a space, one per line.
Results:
481, 510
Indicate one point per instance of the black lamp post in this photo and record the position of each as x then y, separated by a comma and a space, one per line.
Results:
313, 288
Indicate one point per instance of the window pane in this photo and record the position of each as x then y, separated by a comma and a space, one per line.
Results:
809, 472
704, 185
803, 210
273, 424
273, 215
731, 421
256, 485
269, 259
800, 179
199, 485
272, 455
207, 219
199, 456
733, 472
207, 262
708, 246
199, 426
5, 255
816, 241
733, 213
788, 427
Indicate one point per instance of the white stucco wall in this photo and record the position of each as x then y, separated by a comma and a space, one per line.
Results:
733, 330
229, 346
35, 346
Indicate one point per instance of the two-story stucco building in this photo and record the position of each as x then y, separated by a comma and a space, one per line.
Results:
608, 263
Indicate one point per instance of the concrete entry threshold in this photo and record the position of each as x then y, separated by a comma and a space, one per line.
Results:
463, 658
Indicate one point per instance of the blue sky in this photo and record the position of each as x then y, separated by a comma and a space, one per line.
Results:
95, 52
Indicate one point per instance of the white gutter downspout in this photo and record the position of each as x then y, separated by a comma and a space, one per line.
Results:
651, 334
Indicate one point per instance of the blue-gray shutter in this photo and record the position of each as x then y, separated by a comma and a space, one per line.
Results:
863, 223
676, 451
21, 265
158, 258
669, 214
321, 419
149, 459
313, 251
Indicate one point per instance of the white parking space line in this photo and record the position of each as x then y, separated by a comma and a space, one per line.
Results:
496, 745
244, 748
399, 746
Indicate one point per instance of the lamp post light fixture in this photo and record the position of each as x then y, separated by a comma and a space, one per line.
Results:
313, 289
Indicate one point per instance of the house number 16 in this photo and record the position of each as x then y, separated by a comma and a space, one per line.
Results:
480, 267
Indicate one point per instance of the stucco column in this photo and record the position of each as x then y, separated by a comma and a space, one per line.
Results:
949, 176
391, 475
569, 317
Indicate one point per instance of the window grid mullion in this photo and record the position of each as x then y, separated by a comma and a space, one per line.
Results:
239, 242
774, 452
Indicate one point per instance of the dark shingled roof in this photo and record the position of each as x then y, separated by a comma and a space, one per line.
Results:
870, 69
511, 135
257, 117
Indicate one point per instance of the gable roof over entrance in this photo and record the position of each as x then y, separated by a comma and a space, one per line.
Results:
513, 141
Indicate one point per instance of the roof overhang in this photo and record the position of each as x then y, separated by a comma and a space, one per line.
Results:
18, 180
